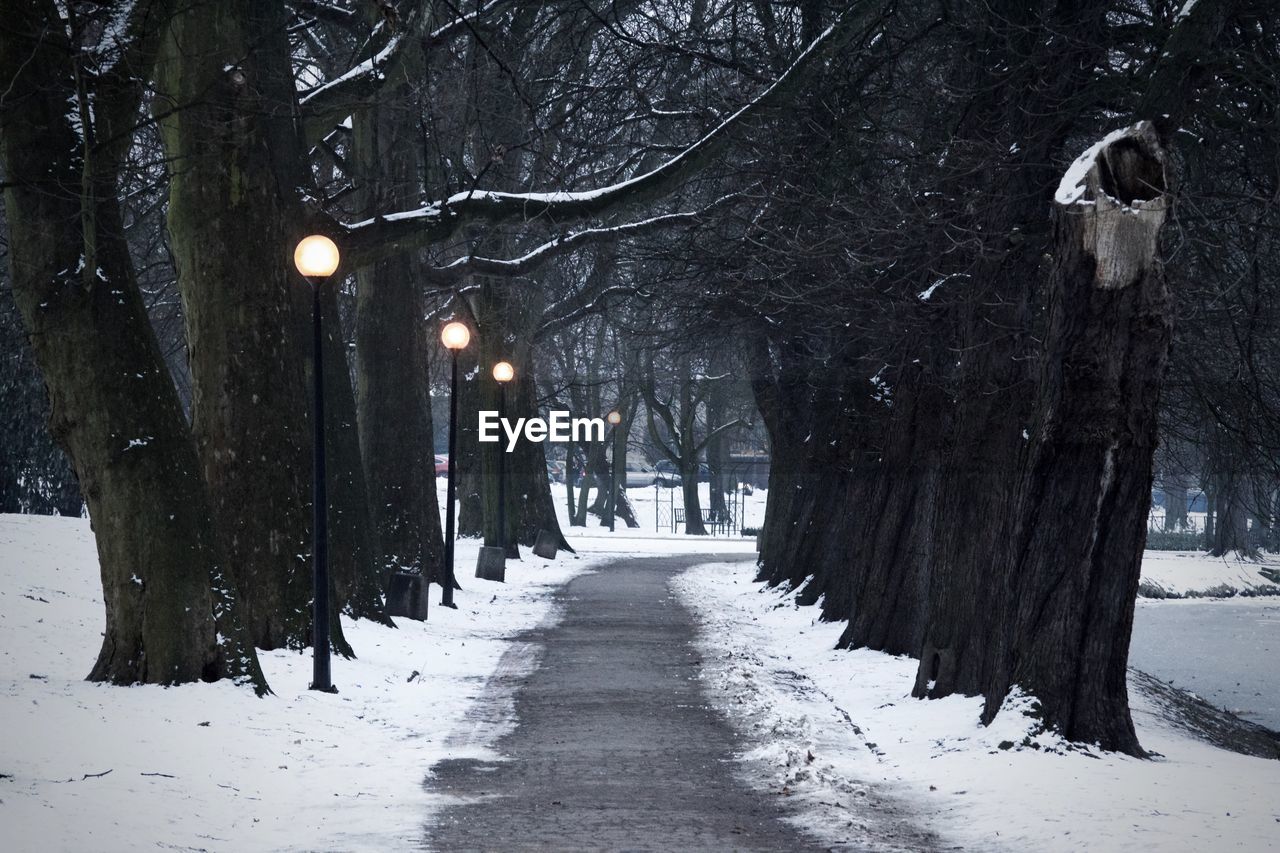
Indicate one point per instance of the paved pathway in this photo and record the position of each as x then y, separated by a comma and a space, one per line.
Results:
616, 747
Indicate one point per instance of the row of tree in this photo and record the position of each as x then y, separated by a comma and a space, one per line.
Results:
160, 154
963, 437
958, 353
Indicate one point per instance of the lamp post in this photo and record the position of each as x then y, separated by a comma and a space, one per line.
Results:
455, 337
614, 418
316, 258
503, 372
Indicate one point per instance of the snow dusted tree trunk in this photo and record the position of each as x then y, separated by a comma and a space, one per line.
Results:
892, 554
171, 615
1086, 489
226, 102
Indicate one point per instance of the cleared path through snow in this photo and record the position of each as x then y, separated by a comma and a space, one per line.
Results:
616, 747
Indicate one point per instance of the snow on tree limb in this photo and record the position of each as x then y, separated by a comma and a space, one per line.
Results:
332, 101
560, 245
370, 239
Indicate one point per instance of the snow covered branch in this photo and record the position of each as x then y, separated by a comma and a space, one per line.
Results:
329, 103
455, 271
373, 238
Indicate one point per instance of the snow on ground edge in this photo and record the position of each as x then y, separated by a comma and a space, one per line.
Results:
833, 729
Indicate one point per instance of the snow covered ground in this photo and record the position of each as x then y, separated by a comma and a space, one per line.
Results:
1193, 574
831, 728
226, 771
1223, 650
209, 766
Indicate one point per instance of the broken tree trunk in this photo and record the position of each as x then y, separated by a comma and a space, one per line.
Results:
1086, 489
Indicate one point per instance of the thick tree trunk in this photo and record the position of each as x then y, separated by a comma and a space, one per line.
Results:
500, 336
692, 502
1086, 491
618, 459
884, 590
170, 614
225, 95
1230, 532
353, 543
975, 503
528, 484
717, 451
396, 430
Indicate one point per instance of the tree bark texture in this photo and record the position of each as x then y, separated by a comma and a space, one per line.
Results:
225, 97
1086, 488
171, 613
393, 378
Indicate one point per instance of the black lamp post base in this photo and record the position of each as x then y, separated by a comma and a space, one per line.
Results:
329, 689
448, 604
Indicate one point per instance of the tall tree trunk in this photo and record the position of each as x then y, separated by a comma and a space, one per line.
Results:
1230, 531
170, 614
570, 505
353, 542
225, 97
692, 503
717, 450
396, 430
1087, 488
501, 336
1175, 503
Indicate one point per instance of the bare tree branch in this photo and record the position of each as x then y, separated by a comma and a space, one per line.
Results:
374, 238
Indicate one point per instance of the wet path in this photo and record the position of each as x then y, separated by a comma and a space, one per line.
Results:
616, 747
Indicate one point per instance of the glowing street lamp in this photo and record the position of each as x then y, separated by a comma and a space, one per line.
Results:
614, 418
316, 258
503, 373
455, 337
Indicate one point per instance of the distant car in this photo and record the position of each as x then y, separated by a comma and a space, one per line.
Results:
442, 465
640, 475
669, 473
555, 471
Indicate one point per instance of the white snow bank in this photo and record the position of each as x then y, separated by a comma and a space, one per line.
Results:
209, 766
1194, 574
834, 729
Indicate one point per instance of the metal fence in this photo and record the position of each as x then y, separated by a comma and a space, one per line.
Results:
670, 513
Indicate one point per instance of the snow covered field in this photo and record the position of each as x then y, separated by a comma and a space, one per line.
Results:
1191, 574
830, 728
209, 766
1223, 650
87, 766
